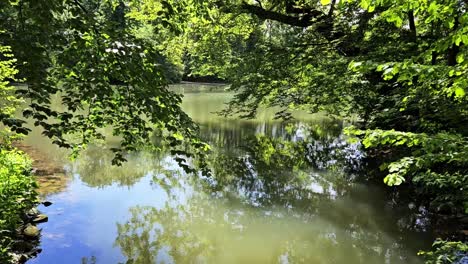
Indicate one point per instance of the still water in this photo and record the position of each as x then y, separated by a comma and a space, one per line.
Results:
279, 194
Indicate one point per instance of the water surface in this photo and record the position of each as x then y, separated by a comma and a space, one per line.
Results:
264, 204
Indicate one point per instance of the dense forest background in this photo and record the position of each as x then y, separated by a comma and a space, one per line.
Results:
399, 67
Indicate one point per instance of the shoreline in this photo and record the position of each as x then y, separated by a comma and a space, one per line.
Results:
47, 174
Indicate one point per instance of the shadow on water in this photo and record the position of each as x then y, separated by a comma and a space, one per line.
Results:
280, 193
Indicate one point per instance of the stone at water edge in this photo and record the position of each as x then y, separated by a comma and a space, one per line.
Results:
31, 231
40, 218
34, 252
23, 246
18, 258
47, 203
32, 212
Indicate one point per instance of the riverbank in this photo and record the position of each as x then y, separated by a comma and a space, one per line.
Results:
24, 170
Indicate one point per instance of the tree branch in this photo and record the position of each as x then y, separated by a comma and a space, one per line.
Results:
332, 8
412, 26
304, 20
81, 6
259, 3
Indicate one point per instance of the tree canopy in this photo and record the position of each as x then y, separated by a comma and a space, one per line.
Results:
86, 53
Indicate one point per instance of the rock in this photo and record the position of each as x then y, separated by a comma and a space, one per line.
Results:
47, 203
18, 258
40, 218
23, 258
34, 252
23, 246
32, 212
31, 231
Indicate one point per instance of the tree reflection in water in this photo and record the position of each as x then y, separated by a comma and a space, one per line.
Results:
209, 231
267, 202
93, 167
286, 169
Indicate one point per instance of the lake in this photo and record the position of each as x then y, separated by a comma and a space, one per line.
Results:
264, 203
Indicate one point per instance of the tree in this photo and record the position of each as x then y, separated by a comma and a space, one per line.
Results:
17, 188
85, 53
398, 65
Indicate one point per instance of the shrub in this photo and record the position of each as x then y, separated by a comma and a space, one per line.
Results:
17, 194
436, 164
446, 252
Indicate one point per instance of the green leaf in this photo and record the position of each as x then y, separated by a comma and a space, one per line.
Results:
325, 2
393, 179
365, 4
460, 58
459, 92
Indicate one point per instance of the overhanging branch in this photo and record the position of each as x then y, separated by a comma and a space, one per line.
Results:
303, 20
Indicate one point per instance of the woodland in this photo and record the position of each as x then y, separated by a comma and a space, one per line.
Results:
397, 67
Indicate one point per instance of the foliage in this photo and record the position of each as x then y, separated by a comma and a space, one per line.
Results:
437, 164
430, 94
446, 252
16, 186
8, 101
399, 65
17, 193
88, 54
